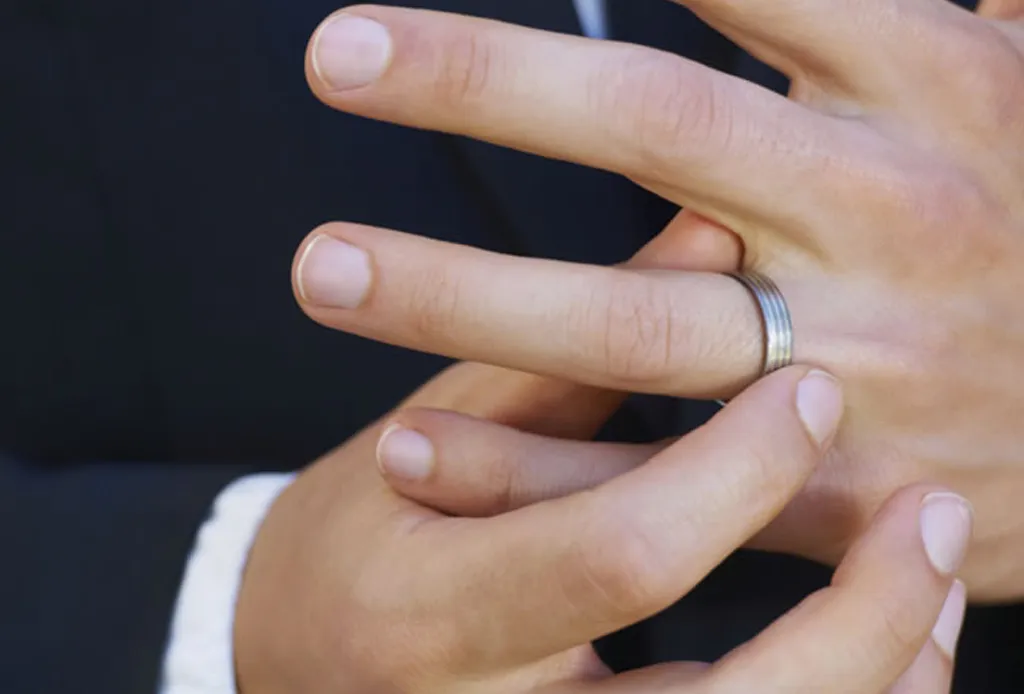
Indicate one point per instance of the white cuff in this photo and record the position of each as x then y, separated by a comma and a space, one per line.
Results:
200, 657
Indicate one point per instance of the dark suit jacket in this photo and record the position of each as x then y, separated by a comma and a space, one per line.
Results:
160, 163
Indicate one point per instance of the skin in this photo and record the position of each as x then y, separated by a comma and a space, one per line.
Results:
351, 587
883, 196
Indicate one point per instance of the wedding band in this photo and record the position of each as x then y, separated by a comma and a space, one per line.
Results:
775, 319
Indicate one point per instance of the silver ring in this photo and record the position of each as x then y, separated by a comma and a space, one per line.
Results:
775, 318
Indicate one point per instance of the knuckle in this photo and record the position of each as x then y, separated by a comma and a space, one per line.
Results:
763, 471
636, 328
435, 302
504, 484
469, 69
993, 89
933, 201
920, 196
666, 110
769, 467
616, 568
387, 638
895, 628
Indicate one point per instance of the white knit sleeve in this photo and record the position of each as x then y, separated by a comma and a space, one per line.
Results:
200, 656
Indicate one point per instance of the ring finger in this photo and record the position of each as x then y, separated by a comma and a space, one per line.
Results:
678, 333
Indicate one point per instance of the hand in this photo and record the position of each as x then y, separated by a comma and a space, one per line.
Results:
351, 588
484, 469
884, 197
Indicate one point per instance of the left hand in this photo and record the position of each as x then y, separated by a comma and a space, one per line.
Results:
884, 197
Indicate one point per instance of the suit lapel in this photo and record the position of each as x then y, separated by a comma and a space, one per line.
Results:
670, 27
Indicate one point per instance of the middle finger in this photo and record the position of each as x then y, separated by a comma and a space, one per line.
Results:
719, 141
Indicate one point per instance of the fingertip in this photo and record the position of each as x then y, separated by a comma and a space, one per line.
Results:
924, 528
332, 273
947, 525
949, 625
299, 264
348, 51
819, 404
885, 602
405, 454
813, 395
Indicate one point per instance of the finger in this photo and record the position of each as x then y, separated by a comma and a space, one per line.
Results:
825, 41
645, 114
479, 462
1001, 9
472, 467
864, 632
559, 408
692, 242
537, 404
589, 564
932, 672
666, 678
690, 334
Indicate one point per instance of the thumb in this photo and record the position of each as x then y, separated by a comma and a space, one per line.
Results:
892, 605
537, 404
635, 545
932, 671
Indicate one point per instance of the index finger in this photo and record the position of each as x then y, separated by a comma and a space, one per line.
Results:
884, 605
546, 578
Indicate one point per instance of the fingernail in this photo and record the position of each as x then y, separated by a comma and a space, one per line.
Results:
405, 454
333, 274
947, 522
819, 402
350, 51
946, 633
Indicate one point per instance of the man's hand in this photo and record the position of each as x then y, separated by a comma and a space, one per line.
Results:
884, 197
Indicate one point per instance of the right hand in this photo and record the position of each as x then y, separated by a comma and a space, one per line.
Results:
883, 199
352, 588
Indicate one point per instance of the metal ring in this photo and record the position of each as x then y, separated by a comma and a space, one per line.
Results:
775, 318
